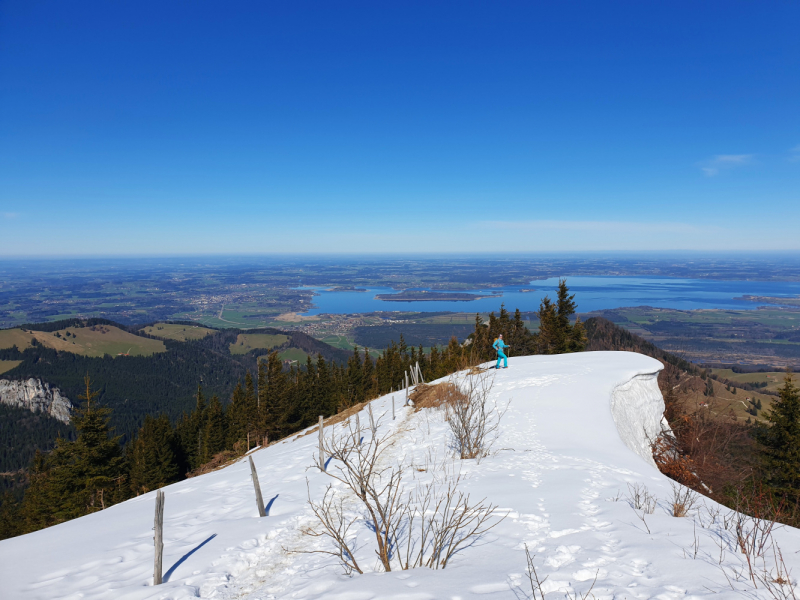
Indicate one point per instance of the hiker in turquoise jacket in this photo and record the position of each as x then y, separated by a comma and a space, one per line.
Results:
499, 345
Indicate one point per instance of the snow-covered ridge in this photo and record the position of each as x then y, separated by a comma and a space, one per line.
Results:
572, 441
35, 395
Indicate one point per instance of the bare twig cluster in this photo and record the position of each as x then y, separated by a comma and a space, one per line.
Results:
474, 421
640, 498
537, 593
422, 525
761, 563
684, 500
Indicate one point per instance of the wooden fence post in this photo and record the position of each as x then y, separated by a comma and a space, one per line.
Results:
321, 451
257, 486
406, 381
358, 429
392, 407
159, 538
419, 374
371, 419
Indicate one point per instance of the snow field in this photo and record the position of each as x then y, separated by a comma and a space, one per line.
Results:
574, 436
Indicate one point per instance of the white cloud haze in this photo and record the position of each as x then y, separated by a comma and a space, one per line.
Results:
720, 162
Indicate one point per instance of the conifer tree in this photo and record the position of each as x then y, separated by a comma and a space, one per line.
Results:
153, 456
189, 433
355, 378
214, 431
237, 416
77, 477
274, 407
327, 399
549, 337
369, 382
780, 441
10, 524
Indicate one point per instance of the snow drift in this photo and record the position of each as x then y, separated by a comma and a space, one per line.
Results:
575, 436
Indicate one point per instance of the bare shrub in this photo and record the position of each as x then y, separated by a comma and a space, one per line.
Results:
473, 421
424, 526
778, 580
438, 522
533, 576
640, 498
671, 462
684, 500
537, 593
335, 525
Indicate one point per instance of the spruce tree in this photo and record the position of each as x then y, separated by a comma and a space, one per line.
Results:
355, 378
214, 430
237, 416
274, 408
549, 336
369, 383
153, 456
10, 522
77, 477
780, 442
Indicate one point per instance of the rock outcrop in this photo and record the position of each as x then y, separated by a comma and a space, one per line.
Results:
35, 395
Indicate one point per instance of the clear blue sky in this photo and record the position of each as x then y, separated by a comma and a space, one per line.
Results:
238, 127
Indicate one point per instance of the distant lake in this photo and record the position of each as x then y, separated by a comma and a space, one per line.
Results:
591, 293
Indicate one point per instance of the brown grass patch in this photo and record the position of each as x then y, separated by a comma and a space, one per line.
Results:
333, 420
223, 459
435, 396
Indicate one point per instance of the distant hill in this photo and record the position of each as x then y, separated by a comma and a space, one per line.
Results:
97, 339
164, 380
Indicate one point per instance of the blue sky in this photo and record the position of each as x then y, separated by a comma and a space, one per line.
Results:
249, 127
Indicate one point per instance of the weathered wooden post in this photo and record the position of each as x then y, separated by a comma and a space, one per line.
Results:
371, 419
159, 538
421, 379
358, 429
257, 486
321, 451
392, 408
406, 382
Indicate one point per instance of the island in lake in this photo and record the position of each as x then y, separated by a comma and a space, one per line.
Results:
427, 296
779, 300
527, 290
346, 288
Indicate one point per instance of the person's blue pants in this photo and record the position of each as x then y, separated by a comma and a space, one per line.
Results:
503, 357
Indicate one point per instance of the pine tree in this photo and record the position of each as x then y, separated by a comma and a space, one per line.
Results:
780, 441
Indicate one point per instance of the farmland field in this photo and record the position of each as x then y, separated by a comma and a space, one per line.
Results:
97, 340
180, 333
774, 379
294, 354
250, 341
7, 365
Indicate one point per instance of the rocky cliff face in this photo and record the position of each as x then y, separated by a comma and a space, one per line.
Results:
35, 395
